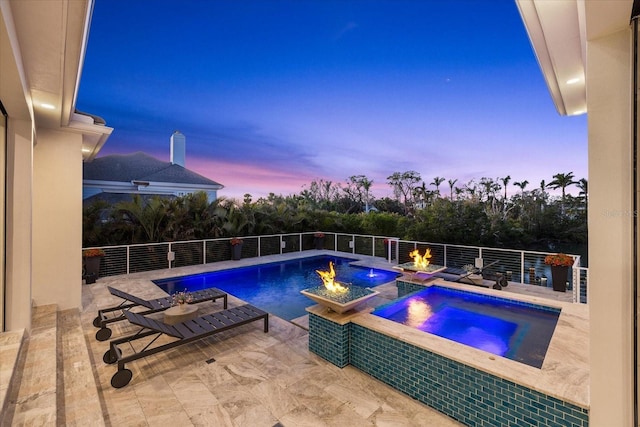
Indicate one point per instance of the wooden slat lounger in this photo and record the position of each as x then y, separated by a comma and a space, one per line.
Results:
153, 306
185, 332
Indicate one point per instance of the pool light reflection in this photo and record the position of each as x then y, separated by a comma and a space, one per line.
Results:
418, 312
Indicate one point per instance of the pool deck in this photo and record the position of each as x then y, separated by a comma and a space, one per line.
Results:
244, 377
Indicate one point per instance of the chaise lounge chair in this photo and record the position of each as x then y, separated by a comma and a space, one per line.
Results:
485, 272
185, 332
153, 306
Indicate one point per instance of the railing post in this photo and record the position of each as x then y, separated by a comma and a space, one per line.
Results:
128, 256
300, 242
522, 267
259, 247
575, 278
445, 255
204, 252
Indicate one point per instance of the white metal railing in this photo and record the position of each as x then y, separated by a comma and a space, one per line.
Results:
526, 267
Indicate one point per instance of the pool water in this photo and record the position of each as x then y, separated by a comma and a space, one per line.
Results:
275, 287
517, 331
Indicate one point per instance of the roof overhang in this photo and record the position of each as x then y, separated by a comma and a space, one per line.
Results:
558, 31
49, 40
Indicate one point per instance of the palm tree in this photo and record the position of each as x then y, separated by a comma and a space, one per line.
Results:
505, 181
452, 182
583, 185
149, 215
562, 181
459, 191
437, 181
522, 185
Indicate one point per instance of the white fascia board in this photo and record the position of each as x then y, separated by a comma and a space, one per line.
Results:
164, 187
557, 32
183, 187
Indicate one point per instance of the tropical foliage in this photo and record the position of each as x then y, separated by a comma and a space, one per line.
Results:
474, 213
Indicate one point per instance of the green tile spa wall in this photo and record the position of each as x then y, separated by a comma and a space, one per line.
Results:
329, 340
466, 394
405, 288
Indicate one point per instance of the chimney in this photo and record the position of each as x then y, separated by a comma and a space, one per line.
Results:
178, 148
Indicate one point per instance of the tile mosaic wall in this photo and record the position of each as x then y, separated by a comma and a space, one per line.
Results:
466, 394
405, 288
329, 340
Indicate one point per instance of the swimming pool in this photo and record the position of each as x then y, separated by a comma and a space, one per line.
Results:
275, 287
517, 331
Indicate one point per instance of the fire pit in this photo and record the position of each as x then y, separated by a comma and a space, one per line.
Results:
421, 267
336, 296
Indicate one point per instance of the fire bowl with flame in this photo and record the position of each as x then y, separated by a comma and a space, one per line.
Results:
421, 264
336, 296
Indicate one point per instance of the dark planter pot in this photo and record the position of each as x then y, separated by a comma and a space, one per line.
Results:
236, 252
92, 269
559, 276
318, 242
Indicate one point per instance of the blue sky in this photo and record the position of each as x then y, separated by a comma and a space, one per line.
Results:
271, 95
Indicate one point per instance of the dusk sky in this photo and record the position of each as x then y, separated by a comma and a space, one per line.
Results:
272, 95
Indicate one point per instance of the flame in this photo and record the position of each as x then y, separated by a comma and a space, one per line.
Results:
421, 261
328, 280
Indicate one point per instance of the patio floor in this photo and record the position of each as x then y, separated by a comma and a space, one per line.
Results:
244, 377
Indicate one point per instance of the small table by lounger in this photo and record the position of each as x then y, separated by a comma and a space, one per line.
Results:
179, 314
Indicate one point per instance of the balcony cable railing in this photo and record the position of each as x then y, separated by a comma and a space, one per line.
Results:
525, 267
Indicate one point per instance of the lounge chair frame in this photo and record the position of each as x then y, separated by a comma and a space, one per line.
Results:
185, 332
117, 313
500, 280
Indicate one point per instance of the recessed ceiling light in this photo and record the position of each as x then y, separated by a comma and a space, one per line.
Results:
578, 112
48, 106
573, 81
86, 150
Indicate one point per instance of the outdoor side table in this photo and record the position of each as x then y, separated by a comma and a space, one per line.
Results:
177, 314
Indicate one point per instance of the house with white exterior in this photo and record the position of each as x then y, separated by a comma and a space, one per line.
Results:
44, 142
116, 177
588, 53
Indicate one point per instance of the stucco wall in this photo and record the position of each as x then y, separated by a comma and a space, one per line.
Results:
19, 254
57, 219
611, 219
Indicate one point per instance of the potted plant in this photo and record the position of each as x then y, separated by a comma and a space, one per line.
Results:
92, 259
560, 264
318, 240
472, 274
236, 248
182, 298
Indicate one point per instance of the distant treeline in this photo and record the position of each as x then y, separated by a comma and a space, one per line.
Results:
477, 213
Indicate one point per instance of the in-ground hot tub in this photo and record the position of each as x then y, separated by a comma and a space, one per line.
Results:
513, 329
470, 385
